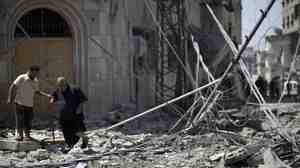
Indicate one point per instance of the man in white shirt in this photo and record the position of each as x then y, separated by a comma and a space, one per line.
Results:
21, 92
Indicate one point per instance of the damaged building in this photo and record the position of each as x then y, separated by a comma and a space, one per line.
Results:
113, 49
283, 44
133, 58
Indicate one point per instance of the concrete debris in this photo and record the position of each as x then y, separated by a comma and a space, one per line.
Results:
114, 149
39, 155
247, 132
272, 161
211, 147
119, 150
81, 165
11, 144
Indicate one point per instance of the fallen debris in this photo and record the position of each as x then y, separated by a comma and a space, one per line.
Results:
148, 150
240, 137
271, 160
13, 145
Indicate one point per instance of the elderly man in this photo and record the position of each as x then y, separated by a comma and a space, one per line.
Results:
67, 99
21, 92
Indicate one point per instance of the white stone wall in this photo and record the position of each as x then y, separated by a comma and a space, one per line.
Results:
109, 77
5, 60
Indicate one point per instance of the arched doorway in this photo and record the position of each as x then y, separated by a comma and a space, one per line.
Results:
79, 34
44, 38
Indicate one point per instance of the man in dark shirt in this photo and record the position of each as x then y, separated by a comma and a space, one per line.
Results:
262, 85
275, 88
67, 99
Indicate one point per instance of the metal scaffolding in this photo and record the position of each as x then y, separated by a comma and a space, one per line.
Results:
170, 77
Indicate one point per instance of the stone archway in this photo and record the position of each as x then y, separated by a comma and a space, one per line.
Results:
76, 22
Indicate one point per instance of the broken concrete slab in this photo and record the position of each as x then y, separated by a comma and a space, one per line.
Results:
20, 146
271, 160
247, 132
40, 154
5, 162
217, 156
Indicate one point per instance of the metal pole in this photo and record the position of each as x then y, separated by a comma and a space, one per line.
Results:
162, 105
239, 55
23, 30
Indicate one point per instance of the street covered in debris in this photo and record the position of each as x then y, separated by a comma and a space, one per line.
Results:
248, 142
216, 115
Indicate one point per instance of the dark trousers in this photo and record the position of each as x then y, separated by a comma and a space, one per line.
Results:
24, 116
70, 128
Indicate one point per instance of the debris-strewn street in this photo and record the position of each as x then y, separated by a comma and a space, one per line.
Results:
149, 84
251, 146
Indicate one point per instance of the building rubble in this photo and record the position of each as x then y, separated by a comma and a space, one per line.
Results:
235, 142
254, 135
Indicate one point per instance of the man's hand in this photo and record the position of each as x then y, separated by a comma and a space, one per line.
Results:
49, 96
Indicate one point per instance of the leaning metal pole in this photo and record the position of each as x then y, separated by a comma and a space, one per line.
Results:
236, 59
217, 82
197, 90
257, 94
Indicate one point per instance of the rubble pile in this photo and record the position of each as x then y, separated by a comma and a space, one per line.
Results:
247, 147
115, 149
265, 135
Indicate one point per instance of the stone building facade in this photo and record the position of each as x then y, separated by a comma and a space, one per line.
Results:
284, 44
108, 52
250, 59
290, 16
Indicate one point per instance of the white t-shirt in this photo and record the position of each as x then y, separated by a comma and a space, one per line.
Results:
26, 89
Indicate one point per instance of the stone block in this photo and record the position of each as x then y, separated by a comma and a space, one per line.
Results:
20, 146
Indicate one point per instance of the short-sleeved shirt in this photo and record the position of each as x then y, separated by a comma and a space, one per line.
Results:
26, 89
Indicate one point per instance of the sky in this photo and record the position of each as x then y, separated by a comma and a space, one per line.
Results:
251, 14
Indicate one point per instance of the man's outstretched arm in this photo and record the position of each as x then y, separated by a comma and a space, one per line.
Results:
43, 94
